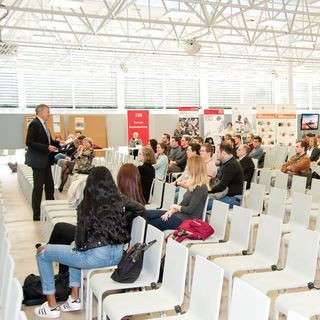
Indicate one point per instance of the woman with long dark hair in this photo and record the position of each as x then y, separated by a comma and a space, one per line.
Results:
99, 240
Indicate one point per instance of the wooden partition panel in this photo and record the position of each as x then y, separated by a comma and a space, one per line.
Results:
90, 126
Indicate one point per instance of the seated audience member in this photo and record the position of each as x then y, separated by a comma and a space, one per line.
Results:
82, 162
146, 170
229, 181
152, 143
77, 142
246, 163
190, 131
318, 140
231, 142
129, 185
179, 162
313, 151
198, 140
249, 141
66, 150
257, 151
135, 142
175, 148
179, 131
99, 241
206, 153
193, 201
166, 140
299, 164
229, 129
161, 164
237, 141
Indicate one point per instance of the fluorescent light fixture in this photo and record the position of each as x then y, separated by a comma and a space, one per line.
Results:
43, 37
232, 37
179, 14
150, 31
50, 23
72, 4
275, 23
304, 43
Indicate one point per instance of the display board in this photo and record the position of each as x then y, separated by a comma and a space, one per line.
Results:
213, 124
138, 121
286, 124
55, 125
189, 120
266, 123
243, 119
90, 126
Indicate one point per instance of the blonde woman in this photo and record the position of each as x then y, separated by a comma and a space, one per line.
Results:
193, 201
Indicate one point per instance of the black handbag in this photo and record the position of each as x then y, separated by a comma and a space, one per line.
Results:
130, 266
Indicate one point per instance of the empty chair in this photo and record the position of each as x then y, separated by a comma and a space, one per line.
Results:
315, 191
265, 179
268, 160
156, 202
265, 255
169, 295
205, 297
300, 265
298, 184
102, 282
281, 180
248, 303
255, 199
13, 306
168, 195
238, 239
305, 303
6, 278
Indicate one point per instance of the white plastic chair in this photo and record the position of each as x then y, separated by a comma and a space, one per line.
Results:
182, 191
265, 255
169, 295
281, 180
6, 277
300, 265
248, 303
265, 179
298, 184
13, 307
168, 195
237, 243
137, 236
156, 202
102, 282
204, 212
205, 294
255, 198
315, 191
268, 160
306, 303
295, 316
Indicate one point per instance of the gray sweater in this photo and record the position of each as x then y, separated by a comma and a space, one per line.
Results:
193, 203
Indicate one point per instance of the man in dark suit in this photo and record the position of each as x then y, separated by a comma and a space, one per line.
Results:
246, 163
40, 157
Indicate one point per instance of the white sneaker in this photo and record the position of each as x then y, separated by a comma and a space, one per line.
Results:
71, 305
44, 311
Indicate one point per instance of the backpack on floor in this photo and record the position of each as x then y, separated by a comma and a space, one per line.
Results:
32, 289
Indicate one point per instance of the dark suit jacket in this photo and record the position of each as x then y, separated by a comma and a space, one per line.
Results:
147, 174
38, 155
248, 169
315, 154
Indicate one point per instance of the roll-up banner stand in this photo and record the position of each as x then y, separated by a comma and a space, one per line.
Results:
138, 121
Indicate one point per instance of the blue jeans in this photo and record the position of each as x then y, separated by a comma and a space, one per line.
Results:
76, 260
154, 218
231, 201
59, 156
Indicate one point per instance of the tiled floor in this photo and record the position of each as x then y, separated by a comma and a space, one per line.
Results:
24, 233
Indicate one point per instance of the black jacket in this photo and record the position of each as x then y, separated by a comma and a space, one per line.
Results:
147, 174
38, 156
248, 169
315, 154
230, 175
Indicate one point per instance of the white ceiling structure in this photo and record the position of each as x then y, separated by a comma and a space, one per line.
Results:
279, 29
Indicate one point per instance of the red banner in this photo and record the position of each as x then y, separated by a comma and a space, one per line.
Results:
138, 121
213, 111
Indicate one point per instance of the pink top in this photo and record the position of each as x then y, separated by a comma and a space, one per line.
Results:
211, 169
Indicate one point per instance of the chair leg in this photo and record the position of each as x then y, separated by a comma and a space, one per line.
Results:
99, 308
189, 274
282, 254
89, 305
276, 314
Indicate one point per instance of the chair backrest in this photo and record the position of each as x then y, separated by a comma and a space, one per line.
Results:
13, 306
268, 160
292, 315
301, 209
255, 162
157, 193
152, 257
265, 178
315, 191
298, 184
269, 238
206, 290
204, 212
303, 252
281, 180
151, 190
137, 230
256, 196
182, 191
168, 195
248, 302
281, 154
244, 188
219, 218
240, 226
175, 269
277, 203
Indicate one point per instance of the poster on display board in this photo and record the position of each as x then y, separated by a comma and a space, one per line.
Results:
188, 122
213, 124
266, 123
286, 124
243, 119
138, 121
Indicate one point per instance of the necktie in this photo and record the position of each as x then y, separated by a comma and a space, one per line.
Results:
47, 131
